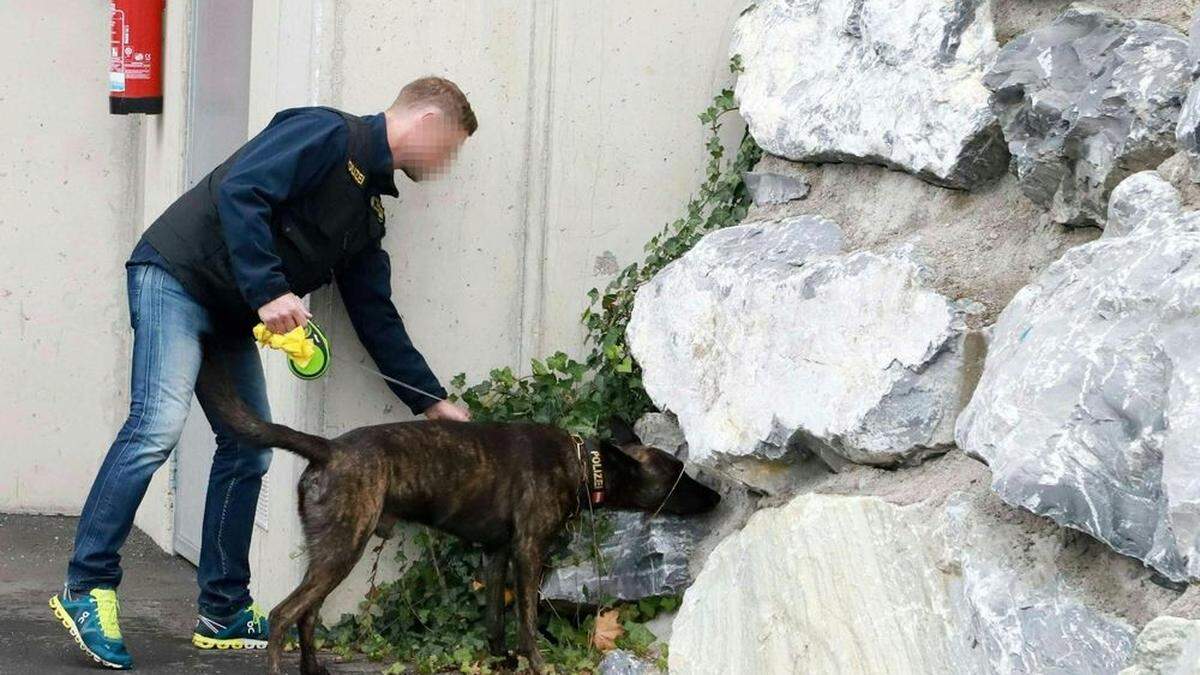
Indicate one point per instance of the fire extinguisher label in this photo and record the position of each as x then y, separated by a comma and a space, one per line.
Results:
128, 60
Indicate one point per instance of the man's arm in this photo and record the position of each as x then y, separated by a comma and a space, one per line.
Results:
286, 159
366, 288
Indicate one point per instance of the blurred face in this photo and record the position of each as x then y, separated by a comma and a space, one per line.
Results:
430, 145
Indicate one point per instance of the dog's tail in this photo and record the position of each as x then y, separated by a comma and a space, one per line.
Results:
217, 387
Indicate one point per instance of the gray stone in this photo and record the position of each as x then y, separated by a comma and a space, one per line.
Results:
1084, 102
1140, 198
642, 556
1086, 410
763, 341
661, 430
1168, 645
862, 81
774, 188
621, 662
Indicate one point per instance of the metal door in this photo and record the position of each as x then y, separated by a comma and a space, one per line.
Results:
218, 106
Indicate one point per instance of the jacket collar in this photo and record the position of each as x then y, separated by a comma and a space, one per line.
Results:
382, 174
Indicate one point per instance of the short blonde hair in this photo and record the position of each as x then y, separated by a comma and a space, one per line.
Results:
443, 94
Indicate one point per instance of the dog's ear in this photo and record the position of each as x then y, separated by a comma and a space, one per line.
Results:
621, 433
620, 454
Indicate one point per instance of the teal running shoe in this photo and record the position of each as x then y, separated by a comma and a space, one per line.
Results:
246, 630
92, 621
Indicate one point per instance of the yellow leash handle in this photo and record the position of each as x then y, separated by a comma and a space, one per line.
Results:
298, 346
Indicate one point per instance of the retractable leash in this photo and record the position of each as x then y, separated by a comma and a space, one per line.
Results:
310, 353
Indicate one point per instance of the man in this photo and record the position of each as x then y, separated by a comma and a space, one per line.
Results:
294, 208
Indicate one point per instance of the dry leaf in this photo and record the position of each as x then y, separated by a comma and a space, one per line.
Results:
608, 629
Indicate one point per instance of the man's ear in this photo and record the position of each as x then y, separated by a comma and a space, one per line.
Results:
621, 432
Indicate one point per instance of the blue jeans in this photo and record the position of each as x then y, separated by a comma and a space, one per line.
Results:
168, 325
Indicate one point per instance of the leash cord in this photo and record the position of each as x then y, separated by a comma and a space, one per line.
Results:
393, 380
669, 493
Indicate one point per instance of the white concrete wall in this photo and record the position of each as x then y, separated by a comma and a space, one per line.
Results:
68, 177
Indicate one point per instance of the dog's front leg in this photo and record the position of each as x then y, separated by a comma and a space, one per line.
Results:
528, 561
495, 577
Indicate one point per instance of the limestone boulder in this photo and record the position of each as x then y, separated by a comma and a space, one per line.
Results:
873, 81
1084, 102
914, 571
1086, 410
767, 343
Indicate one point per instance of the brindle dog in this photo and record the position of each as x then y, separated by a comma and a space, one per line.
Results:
508, 487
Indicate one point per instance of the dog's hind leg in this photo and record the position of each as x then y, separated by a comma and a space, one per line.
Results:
325, 571
338, 521
308, 652
527, 554
496, 577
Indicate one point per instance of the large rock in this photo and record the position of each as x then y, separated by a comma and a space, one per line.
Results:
1086, 410
915, 571
822, 585
1084, 102
761, 340
875, 81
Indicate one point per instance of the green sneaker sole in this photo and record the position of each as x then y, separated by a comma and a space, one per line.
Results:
233, 643
61, 614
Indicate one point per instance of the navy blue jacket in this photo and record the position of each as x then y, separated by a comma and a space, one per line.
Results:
289, 157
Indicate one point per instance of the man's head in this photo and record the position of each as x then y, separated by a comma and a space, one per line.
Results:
427, 124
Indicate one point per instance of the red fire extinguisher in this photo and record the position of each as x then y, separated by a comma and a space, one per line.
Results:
135, 67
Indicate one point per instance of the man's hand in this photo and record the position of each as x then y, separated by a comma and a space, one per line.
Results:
445, 410
284, 313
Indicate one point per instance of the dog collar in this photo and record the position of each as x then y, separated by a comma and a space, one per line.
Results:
593, 470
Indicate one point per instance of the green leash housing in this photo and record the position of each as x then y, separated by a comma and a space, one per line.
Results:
320, 361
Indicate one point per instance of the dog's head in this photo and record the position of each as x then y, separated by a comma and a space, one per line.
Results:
653, 479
